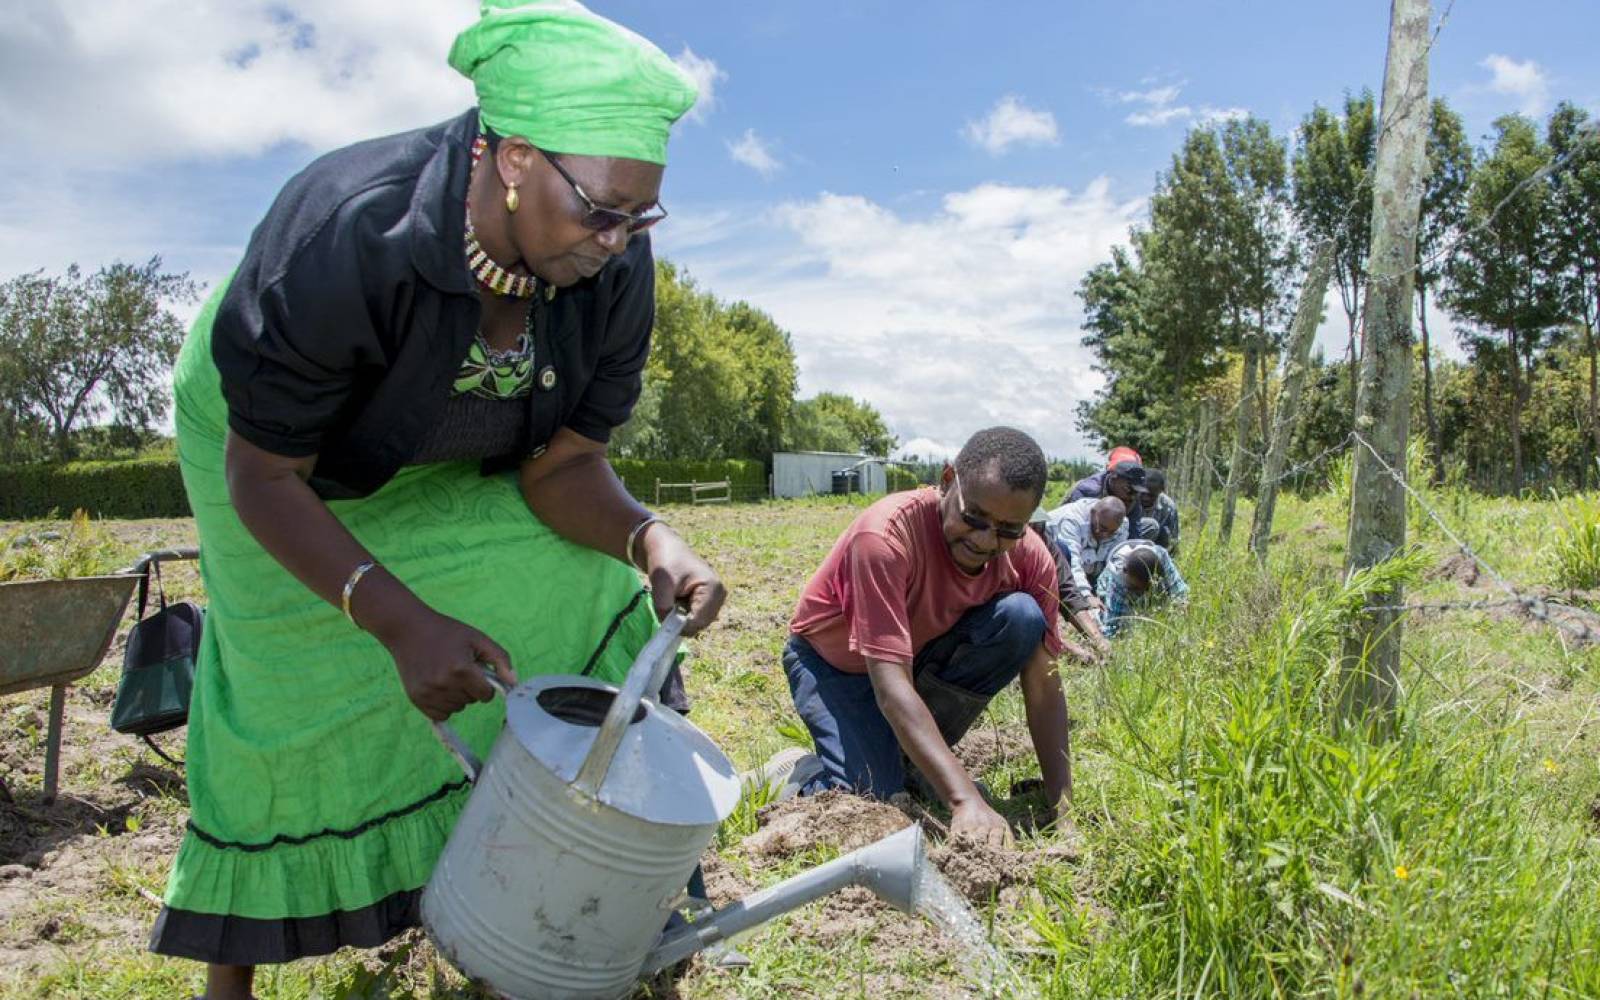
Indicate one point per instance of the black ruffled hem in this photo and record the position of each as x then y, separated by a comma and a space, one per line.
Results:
229, 940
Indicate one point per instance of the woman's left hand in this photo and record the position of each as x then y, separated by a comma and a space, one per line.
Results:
679, 577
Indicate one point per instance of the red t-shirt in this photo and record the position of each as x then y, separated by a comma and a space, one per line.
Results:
890, 585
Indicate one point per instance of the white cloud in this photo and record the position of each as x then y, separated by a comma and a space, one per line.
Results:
706, 74
946, 322
1158, 96
1159, 108
1216, 116
1160, 116
1012, 123
1524, 81
755, 153
927, 448
168, 79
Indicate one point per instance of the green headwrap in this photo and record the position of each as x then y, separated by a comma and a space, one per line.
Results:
570, 81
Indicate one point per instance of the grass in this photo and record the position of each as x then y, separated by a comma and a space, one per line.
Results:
1235, 841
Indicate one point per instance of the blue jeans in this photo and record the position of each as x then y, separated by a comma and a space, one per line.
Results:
956, 675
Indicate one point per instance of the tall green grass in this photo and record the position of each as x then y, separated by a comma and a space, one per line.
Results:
1246, 845
1576, 548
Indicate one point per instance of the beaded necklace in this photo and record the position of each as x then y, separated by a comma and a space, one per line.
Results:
489, 274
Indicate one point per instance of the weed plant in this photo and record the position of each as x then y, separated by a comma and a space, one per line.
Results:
1576, 548
82, 547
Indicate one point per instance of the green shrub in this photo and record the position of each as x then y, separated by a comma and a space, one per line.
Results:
152, 487
746, 478
1577, 544
143, 487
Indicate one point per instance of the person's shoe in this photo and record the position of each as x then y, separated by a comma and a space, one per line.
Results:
784, 773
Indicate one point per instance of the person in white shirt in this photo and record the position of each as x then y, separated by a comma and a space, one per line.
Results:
1085, 531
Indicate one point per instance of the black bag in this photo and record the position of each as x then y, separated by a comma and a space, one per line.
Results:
158, 666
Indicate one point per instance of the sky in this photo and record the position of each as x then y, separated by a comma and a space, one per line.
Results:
912, 190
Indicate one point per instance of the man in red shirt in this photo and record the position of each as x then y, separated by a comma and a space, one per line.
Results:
929, 604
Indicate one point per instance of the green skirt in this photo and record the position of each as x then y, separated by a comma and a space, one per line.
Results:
319, 797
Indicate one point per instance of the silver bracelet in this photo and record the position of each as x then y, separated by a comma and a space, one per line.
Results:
350, 587
633, 538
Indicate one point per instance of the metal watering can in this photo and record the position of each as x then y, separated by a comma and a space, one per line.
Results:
584, 825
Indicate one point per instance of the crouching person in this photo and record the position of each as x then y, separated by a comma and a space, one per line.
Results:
1138, 576
928, 605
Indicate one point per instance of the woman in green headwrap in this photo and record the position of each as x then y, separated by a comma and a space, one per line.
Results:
392, 423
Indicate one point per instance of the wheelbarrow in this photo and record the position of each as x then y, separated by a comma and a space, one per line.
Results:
58, 631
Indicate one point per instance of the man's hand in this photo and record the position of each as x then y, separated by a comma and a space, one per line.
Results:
1083, 654
974, 821
438, 661
678, 576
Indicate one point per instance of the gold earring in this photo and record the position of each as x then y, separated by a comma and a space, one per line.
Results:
512, 201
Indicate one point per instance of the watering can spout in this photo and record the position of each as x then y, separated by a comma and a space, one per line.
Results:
889, 868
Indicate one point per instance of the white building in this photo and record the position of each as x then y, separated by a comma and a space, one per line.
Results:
803, 473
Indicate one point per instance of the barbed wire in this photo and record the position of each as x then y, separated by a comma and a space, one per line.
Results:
1537, 607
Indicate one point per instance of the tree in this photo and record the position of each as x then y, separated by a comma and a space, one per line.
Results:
1333, 199
1575, 196
833, 422
720, 381
1260, 256
1501, 278
1443, 211
1154, 312
76, 348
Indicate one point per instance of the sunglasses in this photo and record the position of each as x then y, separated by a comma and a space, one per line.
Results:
599, 218
977, 523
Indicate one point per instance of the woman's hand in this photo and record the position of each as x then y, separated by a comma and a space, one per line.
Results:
438, 660
678, 576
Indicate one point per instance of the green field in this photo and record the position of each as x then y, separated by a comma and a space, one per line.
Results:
1229, 842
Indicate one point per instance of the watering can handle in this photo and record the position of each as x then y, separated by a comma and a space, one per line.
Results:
644, 679
460, 751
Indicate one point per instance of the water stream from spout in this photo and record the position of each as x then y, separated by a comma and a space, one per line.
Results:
938, 900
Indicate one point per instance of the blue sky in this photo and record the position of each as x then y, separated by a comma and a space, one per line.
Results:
913, 190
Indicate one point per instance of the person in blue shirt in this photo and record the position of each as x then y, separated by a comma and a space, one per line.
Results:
1139, 574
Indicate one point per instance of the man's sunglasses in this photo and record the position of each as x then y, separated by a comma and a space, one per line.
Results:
977, 523
599, 218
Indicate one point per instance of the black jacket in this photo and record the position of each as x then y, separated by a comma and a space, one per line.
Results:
346, 322
1095, 486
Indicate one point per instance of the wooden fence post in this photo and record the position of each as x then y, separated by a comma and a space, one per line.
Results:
1301, 333
1383, 404
1203, 470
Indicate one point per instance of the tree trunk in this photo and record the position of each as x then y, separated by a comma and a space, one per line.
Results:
1354, 366
1435, 447
1371, 661
1594, 393
1264, 365
1516, 413
1205, 475
1296, 355
1241, 434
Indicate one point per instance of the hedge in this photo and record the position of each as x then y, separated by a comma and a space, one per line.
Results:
143, 487
152, 487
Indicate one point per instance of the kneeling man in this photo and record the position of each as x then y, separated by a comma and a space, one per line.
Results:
929, 604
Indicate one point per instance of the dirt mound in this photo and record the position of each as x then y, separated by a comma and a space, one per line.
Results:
1457, 567
985, 747
983, 874
837, 819
831, 819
